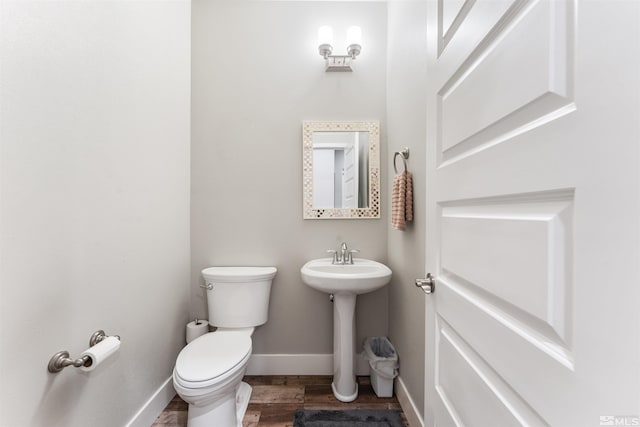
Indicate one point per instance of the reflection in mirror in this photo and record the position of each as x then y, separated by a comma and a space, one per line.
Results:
341, 170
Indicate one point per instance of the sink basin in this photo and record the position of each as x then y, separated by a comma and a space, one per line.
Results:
358, 278
345, 283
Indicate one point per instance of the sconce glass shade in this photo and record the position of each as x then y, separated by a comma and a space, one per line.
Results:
325, 35
325, 40
354, 41
354, 35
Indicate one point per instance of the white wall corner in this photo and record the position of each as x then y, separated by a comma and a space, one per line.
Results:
154, 406
408, 407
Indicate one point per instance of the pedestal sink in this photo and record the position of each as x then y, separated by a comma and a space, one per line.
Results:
345, 282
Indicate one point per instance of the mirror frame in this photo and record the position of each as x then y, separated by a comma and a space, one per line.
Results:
308, 128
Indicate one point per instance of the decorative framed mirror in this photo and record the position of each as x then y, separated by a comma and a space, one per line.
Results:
341, 169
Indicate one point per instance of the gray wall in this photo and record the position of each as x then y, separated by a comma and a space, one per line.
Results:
256, 75
406, 113
94, 212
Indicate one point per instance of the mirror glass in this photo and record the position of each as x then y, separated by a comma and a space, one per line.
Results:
341, 170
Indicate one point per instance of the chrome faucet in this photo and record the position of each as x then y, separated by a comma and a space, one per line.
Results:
343, 252
345, 256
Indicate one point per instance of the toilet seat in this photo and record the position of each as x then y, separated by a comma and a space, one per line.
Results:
211, 358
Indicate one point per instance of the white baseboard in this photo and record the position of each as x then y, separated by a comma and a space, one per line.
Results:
154, 406
408, 407
298, 364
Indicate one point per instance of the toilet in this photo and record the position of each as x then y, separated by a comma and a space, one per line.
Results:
209, 370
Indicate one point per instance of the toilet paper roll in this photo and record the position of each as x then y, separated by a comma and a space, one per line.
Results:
100, 352
196, 329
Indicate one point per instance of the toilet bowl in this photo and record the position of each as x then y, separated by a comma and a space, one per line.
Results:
208, 376
208, 371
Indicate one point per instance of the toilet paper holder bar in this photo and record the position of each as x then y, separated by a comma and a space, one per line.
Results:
61, 359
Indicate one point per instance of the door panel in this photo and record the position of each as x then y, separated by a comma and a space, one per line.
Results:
516, 253
481, 396
350, 178
531, 45
533, 200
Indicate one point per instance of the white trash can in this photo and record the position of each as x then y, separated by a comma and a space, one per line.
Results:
383, 361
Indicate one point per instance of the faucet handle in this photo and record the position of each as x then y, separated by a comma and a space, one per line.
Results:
335, 256
350, 255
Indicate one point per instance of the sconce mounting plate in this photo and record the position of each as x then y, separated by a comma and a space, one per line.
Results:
340, 63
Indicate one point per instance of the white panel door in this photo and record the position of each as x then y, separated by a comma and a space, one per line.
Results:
533, 213
350, 177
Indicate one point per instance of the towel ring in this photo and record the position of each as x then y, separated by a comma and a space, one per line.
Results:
405, 155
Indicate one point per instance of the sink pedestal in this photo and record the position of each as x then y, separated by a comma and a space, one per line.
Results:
345, 282
344, 384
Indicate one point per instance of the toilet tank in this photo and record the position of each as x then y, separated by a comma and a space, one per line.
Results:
238, 297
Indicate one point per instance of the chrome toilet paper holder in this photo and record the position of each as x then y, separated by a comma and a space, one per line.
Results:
61, 359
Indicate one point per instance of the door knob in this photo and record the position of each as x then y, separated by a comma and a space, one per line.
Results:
428, 284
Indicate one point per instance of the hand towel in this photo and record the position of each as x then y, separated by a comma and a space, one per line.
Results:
408, 198
402, 200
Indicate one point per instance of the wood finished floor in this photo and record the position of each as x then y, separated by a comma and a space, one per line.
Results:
275, 398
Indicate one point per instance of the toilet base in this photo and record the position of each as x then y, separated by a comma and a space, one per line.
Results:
228, 412
242, 401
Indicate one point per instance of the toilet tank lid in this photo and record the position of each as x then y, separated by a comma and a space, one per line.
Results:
239, 274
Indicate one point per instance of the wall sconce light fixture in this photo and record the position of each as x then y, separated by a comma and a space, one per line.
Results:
325, 47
